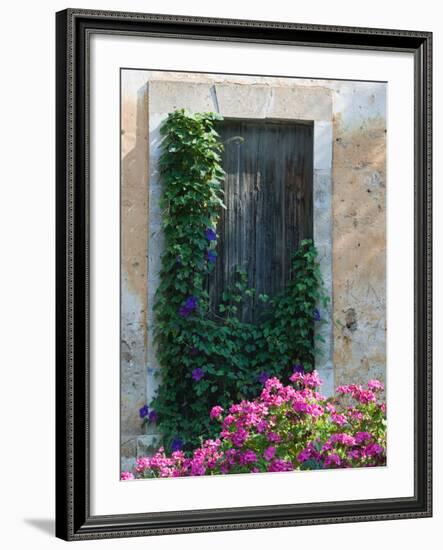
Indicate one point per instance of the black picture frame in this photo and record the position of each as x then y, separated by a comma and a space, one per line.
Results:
74, 28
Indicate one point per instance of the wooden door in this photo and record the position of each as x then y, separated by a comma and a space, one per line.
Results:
268, 194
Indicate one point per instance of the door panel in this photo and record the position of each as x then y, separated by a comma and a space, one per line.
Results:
268, 194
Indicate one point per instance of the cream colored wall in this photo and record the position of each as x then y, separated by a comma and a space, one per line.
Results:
359, 232
134, 242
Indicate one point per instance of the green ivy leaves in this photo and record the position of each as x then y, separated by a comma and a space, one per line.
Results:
234, 356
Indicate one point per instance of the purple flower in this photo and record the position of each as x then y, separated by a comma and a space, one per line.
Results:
269, 453
304, 455
280, 466
263, 377
332, 459
374, 449
261, 426
193, 351
298, 367
176, 444
188, 307
361, 437
143, 412
197, 374
153, 417
316, 315
353, 455
197, 468
210, 234
191, 302
273, 437
211, 256
183, 311
343, 438
239, 437
247, 457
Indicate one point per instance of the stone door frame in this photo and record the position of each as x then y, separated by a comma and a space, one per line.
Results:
296, 103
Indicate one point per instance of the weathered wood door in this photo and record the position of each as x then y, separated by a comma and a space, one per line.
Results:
268, 194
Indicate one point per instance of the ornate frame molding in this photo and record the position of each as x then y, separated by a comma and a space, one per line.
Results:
74, 28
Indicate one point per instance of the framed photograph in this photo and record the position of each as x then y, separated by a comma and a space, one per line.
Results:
243, 274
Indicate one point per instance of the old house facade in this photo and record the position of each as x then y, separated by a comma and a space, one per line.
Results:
341, 127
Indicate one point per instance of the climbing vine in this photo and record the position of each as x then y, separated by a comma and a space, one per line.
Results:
212, 358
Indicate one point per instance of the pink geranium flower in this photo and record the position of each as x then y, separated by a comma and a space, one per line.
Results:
295, 422
273, 437
216, 412
375, 385
332, 460
269, 453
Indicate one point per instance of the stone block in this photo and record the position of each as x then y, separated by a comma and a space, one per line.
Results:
128, 447
301, 103
147, 445
155, 194
127, 464
322, 227
155, 138
322, 189
323, 145
326, 374
243, 100
167, 96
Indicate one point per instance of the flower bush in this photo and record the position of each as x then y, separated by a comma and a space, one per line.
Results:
288, 427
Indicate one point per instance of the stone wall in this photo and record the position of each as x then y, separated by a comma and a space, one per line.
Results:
359, 232
134, 266
349, 213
